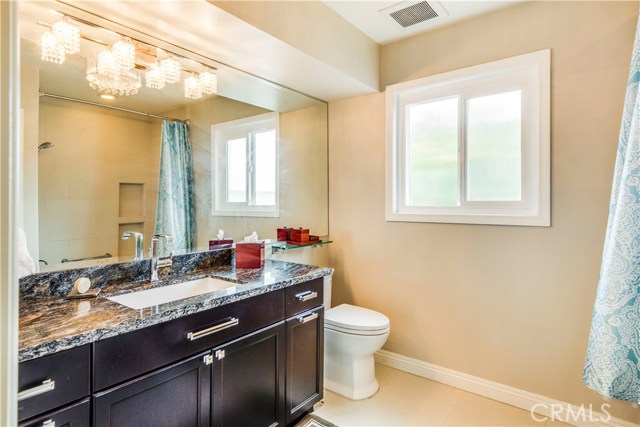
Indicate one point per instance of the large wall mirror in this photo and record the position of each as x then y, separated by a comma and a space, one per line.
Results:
91, 172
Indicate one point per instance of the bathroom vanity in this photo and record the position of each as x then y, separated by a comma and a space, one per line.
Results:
249, 355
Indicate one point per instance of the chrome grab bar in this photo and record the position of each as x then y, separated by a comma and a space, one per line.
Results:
46, 386
106, 255
191, 336
306, 296
309, 318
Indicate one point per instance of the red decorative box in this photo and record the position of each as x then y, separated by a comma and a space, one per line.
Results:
284, 233
249, 255
300, 235
220, 244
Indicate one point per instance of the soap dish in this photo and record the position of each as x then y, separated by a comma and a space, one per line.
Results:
91, 293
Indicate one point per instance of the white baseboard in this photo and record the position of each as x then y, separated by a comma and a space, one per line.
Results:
540, 406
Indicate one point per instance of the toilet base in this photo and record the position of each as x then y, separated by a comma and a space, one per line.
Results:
351, 377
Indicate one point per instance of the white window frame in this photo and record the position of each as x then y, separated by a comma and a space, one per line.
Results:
529, 73
241, 128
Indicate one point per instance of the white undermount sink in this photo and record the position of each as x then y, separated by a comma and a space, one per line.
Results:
170, 293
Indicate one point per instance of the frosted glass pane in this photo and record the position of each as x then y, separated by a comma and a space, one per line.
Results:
493, 147
265, 143
237, 170
432, 153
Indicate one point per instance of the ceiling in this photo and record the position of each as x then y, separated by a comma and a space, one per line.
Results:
373, 19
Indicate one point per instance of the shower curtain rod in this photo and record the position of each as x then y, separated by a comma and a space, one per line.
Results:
126, 110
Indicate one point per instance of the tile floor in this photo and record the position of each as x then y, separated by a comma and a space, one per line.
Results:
408, 400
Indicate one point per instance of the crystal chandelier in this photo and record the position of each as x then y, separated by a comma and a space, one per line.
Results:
208, 82
68, 35
50, 49
192, 88
115, 71
172, 70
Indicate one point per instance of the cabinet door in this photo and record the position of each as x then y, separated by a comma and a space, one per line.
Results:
76, 415
175, 396
305, 358
248, 380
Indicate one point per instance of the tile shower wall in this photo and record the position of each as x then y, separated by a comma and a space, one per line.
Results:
80, 179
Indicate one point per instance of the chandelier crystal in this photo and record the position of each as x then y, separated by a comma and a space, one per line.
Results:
124, 84
208, 82
107, 65
51, 50
192, 88
124, 53
155, 78
68, 35
172, 70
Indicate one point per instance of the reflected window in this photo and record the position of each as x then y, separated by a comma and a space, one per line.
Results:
245, 167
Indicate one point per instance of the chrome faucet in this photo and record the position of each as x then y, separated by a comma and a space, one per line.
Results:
139, 239
159, 262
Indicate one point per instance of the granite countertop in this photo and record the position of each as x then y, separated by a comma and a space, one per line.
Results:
49, 324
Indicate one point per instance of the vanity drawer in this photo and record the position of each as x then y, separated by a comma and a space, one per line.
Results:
131, 354
304, 296
76, 415
51, 381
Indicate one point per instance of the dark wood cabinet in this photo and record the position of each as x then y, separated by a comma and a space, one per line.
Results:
175, 396
305, 361
52, 381
75, 415
248, 383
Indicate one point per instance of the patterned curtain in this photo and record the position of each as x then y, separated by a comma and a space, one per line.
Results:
175, 211
612, 367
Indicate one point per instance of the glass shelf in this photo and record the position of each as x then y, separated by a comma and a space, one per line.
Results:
277, 246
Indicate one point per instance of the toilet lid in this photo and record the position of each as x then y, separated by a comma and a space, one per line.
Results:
350, 317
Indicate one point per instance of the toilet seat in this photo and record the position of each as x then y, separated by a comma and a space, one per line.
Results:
350, 319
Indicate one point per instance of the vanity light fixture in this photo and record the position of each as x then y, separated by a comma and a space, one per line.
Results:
208, 82
50, 49
116, 71
192, 87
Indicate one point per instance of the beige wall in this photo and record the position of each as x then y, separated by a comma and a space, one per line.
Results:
95, 150
508, 304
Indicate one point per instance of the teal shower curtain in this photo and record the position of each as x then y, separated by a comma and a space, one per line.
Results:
175, 211
612, 366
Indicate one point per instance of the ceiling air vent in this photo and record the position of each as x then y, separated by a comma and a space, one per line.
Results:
414, 14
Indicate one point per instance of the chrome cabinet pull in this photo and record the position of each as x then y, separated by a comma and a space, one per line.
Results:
191, 336
49, 423
46, 386
306, 296
309, 318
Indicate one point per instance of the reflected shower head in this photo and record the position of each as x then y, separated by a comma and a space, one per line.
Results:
44, 146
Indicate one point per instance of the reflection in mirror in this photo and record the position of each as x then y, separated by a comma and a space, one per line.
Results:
91, 173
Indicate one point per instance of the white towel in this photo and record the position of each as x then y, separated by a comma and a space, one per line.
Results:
26, 266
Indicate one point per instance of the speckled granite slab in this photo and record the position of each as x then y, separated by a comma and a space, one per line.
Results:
50, 322
60, 283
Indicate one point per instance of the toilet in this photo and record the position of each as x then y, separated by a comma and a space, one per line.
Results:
351, 336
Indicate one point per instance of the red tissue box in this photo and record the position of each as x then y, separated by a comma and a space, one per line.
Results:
220, 244
284, 233
249, 255
300, 235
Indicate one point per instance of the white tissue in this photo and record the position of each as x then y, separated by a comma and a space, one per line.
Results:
220, 234
252, 238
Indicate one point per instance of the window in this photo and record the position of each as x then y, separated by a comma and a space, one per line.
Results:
472, 145
245, 167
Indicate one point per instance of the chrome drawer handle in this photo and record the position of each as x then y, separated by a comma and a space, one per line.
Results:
46, 386
49, 423
309, 318
306, 296
212, 330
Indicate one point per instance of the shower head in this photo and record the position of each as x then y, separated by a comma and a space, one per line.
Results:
44, 146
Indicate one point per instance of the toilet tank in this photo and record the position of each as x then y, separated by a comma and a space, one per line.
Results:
327, 292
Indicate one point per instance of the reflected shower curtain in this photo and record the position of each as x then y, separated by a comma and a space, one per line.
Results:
612, 366
175, 211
